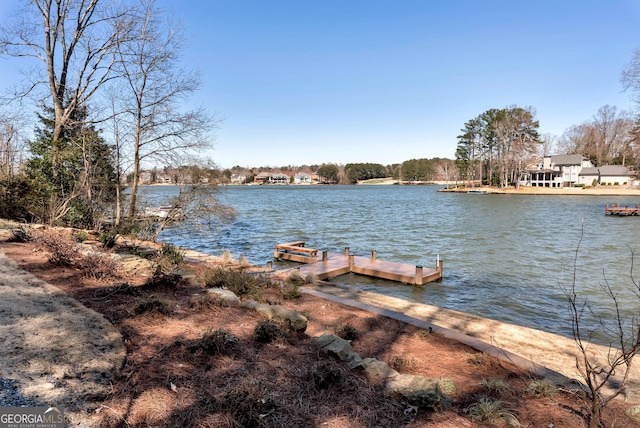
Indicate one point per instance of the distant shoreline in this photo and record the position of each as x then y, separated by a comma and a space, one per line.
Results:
527, 190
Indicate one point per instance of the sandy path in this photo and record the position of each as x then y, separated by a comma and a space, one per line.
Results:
56, 350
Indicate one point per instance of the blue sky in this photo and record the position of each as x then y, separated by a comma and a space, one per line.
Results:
338, 81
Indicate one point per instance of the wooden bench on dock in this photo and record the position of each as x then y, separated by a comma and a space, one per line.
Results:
295, 251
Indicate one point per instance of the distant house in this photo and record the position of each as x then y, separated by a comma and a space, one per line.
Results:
278, 178
555, 171
606, 174
238, 179
262, 177
302, 178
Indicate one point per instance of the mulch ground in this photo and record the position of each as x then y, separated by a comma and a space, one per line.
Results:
172, 377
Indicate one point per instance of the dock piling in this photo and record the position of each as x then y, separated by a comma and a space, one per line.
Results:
374, 254
418, 280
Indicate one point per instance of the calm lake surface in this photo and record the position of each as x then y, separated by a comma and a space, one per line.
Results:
506, 257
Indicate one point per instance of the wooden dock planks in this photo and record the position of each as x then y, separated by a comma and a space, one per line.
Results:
616, 209
334, 264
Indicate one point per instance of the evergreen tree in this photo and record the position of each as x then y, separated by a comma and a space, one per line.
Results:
72, 178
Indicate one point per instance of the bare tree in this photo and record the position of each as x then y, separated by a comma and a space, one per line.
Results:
604, 139
605, 376
74, 42
154, 86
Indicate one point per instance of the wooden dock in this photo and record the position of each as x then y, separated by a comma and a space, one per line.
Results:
329, 265
617, 209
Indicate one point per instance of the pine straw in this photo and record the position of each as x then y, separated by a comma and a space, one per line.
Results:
168, 381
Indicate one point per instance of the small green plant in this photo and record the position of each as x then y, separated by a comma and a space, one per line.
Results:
290, 291
135, 250
488, 410
401, 363
203, 301
172, 253
447, 386
633, 412
124, 288
240, 282
108, 239
160, 280
496, 386
345, 331
295, 278
326, 373
268, 330
153, 304
541, 388
169, 258
216, 342
80, 236
478, 359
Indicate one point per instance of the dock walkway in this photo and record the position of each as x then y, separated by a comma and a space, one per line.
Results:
616, 209
330, 265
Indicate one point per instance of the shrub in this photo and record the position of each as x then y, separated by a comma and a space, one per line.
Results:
135, 250
478, 359
616, 184
290, 291
447, 386
159, 280
62, 251
108, 239
541, 388
153, 304
215, 342
400, 363
496, 386
346, 331
267, 331
99, 266
124, 288
487, 410
240, 282
168, 258
80, 236
325, 373
202, 301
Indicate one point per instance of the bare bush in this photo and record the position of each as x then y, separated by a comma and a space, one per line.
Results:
99, 266
62, 251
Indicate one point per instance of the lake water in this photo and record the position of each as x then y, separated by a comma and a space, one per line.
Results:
506, 257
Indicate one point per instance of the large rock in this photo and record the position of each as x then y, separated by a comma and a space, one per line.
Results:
417, 390
224, 296
135, 265
297, 321
339, 348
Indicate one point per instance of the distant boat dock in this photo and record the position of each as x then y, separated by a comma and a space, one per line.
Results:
330, 265
617, 209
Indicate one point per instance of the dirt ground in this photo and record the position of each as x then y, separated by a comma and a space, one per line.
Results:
167, 380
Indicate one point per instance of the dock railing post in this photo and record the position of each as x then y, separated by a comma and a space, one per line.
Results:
418, 278
269, 265
346, 251
325, 255
374, 254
